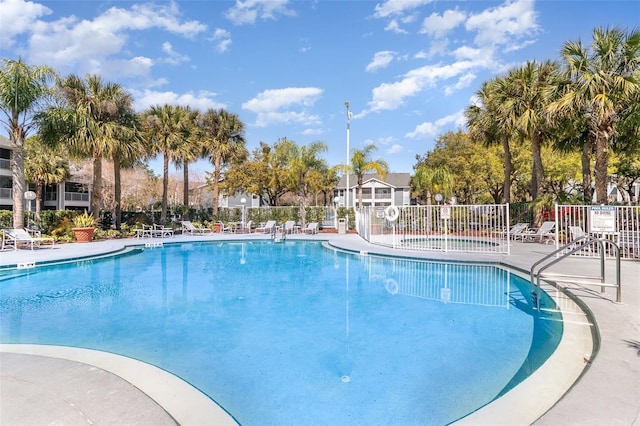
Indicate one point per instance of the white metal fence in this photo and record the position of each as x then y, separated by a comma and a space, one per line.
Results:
619, 224
448, 228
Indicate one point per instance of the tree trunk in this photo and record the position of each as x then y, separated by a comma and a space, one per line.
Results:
360, 190
216, 183
602, 163
537, 175
508, 170
96, 195
19, 185
39, 191
587, 149
185, 181
165, 188
117, 192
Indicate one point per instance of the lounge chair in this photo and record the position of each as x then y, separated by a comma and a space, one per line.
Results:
145, 231
312, 228
225, 228
267, 227
247, 228
544, 234
515, 232
13, 237
289, 227
190, 229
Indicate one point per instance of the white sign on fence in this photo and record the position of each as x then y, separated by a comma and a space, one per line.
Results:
603, 219
445, 212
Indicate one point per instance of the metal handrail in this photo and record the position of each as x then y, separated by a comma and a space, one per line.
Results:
577, 246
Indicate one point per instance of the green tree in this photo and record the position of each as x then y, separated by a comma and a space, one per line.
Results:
362, 163
223, 143
303, 160
44, 166
88, 122
22, 89
167, 130
605, 84
522, 103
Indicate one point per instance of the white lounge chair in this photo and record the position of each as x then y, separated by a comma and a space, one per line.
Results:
289, 227
544, 234
267, 227
190, 229
312, 228
13, 237
161, 231
145, 231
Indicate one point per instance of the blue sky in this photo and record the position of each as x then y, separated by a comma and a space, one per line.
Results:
408, 68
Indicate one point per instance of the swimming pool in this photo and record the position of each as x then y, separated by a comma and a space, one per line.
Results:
295, 333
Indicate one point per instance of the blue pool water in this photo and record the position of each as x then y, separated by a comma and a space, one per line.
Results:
294, 333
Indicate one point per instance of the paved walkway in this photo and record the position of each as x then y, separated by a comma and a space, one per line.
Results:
51, 385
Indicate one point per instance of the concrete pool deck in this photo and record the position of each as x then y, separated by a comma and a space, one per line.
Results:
45, 384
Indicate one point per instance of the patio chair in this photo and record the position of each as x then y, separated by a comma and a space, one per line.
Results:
161, 231
13, 237
225, 228
190, 229
312, 228
289, 227
544, 234
515, 232
145, 231
267, 227
246, 229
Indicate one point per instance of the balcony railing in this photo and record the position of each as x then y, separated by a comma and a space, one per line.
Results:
76, 196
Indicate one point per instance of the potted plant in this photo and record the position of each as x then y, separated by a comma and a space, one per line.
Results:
84, 226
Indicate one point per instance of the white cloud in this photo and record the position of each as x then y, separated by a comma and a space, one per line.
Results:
202, 100
174, 57
394, 27
223, 39
248, 11
397, 7
395, 149
464, 81
504, 24
380, 60
429, 130
439, 25
278, 105
18, 17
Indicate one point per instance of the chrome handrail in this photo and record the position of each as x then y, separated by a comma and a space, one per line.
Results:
577, 246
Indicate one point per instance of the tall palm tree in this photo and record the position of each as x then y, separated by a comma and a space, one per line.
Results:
88, 122
167, 130
223, 143
428, 180
302, 160
486, 125
189, 152
44, 166
22, 88
362, 163
605, 83
522, 102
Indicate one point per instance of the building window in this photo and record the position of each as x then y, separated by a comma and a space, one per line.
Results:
383, 192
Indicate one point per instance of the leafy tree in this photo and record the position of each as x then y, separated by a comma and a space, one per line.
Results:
223, 143
522, 103
23, 88
44, 166
87, 121
605, 84
167, 128
362, 163
303, 160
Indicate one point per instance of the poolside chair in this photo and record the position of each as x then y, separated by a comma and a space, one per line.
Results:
13, 237
289, 227
267, 227
190, 229
544, 234
161, 231
225, 228
312, 228
145, 231
247, 228
515, 232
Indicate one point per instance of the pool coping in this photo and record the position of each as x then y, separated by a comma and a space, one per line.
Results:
500, 411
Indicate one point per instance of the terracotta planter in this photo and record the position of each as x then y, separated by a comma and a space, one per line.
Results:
83, 235
216, 227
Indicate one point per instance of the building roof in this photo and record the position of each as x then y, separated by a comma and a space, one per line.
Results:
397, 180
4, 142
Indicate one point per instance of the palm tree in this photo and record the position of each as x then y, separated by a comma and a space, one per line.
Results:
223, 143
605, 82
22, 88
44, 166
302, 160
361, 163
485, 124
167, 131
428, 181
522, 102
189, 152
88, 122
